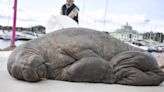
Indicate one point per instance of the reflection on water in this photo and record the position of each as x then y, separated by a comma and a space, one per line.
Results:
7, 43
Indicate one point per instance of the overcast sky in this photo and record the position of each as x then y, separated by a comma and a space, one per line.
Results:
92, 13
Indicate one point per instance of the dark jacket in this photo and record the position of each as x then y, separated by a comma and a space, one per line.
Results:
66, 11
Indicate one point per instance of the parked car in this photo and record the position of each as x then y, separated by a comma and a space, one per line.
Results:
158, 49
152, 49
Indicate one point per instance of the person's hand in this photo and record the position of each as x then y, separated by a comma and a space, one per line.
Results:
72, 14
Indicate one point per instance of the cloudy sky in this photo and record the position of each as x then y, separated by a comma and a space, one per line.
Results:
143, 15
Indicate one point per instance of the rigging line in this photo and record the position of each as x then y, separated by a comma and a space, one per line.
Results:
8, 17
83, 7
105, 14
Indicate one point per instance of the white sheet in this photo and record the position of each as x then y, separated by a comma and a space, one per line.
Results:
56, 22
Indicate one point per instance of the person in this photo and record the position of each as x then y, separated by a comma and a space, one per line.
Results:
70, 9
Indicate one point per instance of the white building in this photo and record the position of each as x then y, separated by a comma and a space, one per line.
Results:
126, 33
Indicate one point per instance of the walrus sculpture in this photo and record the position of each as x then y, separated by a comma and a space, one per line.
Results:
83, 55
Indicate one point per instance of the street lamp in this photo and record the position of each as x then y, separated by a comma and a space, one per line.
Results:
146, 22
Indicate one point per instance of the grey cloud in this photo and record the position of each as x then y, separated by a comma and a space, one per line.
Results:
19, 19
108, 21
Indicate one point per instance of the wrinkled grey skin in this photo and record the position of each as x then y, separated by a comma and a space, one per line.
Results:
83, 55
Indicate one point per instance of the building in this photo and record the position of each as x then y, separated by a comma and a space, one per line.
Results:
126, 33
155, 36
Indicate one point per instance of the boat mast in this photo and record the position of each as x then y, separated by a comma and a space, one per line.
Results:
14, 24
105, 15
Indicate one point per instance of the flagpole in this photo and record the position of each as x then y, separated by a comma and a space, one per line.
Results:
14, 24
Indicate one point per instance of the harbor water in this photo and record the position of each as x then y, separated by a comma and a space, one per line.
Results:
7, 43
